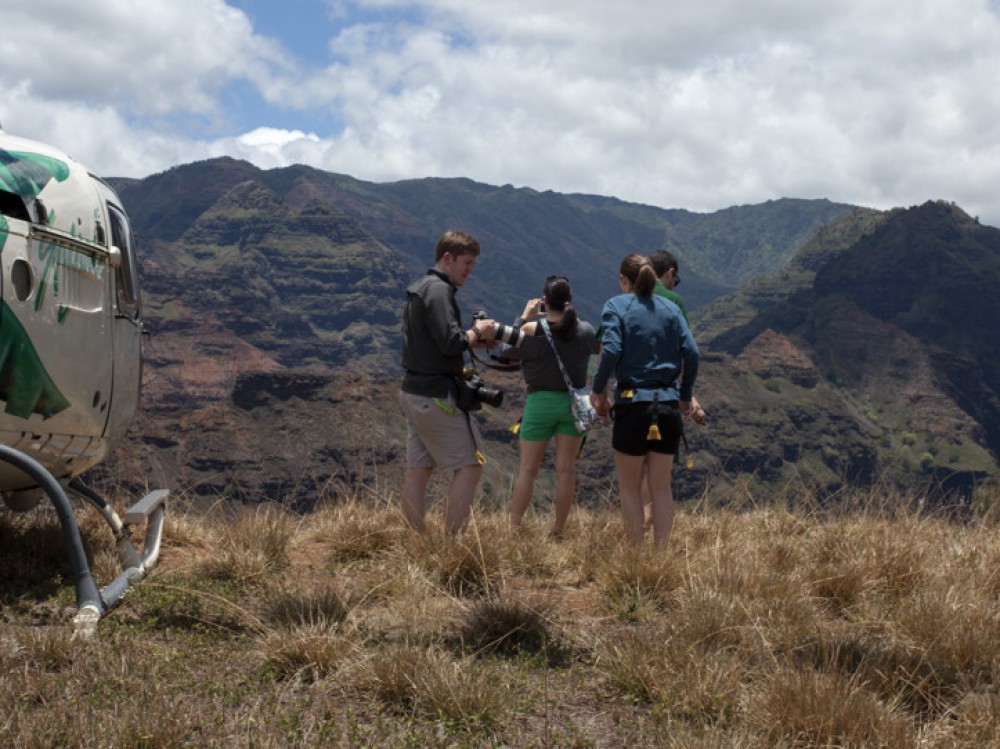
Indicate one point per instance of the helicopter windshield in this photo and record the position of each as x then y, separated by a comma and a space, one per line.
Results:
127, 272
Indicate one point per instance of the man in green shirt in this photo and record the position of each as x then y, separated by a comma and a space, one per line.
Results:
665, 266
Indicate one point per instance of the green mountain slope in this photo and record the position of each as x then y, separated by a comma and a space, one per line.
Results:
902, 325
304, 283
732, 315
526, 235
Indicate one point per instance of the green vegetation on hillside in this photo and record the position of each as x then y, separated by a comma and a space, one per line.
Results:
897, 313
526, 235
886, 320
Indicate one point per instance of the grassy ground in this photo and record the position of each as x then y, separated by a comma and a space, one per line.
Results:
762, 628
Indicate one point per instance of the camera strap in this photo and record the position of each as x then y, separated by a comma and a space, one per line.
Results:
472, 432
480, 457
548, 334
504, 366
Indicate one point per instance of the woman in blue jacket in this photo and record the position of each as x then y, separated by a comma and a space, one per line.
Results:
649, 350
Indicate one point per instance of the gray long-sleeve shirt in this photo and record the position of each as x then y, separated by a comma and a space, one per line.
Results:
539, 367
434, 341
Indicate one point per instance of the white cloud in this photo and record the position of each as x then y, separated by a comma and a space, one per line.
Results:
699, 106
154, 58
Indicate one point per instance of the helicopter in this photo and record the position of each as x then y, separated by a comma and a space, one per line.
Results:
70, 355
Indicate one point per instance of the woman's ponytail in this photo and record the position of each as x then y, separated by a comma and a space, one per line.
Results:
640, 274
559, 296
566, 328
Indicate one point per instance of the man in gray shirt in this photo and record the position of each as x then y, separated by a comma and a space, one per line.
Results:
440, 434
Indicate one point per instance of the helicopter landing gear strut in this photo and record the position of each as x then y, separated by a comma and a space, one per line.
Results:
92, 603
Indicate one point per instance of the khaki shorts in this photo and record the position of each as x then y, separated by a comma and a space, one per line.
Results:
436, 438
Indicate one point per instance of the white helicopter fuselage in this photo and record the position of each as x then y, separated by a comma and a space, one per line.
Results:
70, 318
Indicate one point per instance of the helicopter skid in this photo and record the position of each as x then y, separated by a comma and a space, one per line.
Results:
92, 604
149, 510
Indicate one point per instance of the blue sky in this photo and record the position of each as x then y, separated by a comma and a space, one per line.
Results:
682, 105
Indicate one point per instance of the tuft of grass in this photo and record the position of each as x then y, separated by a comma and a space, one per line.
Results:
183, 527
839, 587
809, 708
505, 626
323, 608
462, 692
308, 651
887, 668
531, 552
637, 582
957, 627
252, 547
973, 723
652, 664
427, 683
465, 566
46, 649
355, 532
390, 676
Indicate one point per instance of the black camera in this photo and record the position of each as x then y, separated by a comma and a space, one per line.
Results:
506, 333
473, 392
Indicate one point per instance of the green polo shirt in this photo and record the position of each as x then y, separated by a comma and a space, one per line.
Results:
672, 295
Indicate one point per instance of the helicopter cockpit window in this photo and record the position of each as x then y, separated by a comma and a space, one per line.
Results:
12, 205
127, 272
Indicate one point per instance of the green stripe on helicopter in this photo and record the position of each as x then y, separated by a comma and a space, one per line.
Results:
24, 383
26, 174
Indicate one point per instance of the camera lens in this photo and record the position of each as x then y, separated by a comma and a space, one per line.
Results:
491, 396
510, 335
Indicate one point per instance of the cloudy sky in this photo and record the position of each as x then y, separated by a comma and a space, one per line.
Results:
698, 105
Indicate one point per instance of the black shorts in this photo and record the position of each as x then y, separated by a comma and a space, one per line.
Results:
632, 423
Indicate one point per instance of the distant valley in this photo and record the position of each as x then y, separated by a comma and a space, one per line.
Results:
841, 345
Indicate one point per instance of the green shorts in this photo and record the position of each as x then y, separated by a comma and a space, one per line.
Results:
547, 412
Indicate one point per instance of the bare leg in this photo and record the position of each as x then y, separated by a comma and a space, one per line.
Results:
415, 496
647, 504
460, 495
658, 468
567, 448
532, 452
630, 470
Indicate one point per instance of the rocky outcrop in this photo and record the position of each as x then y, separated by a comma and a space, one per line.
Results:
773, 355
261, 389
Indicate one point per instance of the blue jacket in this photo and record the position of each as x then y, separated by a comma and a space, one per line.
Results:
646, 346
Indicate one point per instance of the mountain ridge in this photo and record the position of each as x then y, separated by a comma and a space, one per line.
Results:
273, 299
526, 235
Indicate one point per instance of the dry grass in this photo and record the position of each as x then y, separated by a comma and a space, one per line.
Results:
765, 628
